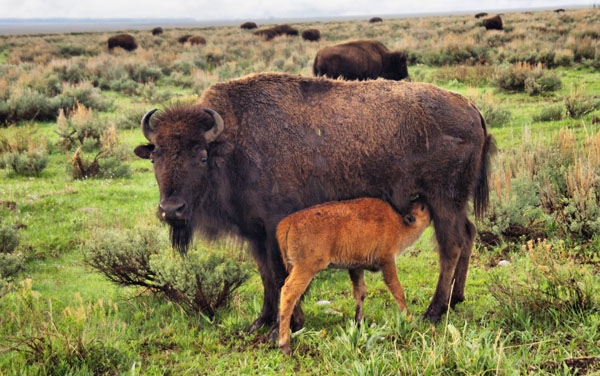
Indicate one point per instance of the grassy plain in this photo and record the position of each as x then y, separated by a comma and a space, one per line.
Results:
59, 316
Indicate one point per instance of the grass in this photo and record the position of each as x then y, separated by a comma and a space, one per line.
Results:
102, 328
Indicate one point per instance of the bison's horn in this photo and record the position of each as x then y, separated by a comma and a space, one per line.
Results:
216, 130
146, 129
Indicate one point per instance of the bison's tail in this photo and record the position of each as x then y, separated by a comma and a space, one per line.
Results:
482, 190
283, 229
315, 66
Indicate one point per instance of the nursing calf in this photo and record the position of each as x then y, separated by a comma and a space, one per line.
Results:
364, 233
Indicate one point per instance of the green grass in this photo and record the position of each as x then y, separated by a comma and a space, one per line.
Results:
129, 331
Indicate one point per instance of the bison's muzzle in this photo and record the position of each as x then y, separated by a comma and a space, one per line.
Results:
173, 212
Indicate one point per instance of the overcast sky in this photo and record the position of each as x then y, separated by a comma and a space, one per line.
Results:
253, 9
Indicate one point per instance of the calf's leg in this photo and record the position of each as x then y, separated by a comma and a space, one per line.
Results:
359, 289
295, 285
391, 281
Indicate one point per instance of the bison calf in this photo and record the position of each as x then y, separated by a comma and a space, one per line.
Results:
364, 233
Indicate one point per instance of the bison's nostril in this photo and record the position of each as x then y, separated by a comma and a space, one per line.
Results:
173, 210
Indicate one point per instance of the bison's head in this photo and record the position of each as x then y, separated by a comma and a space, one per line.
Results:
397, 69
181, 147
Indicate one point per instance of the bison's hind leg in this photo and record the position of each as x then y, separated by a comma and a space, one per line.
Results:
451, 231
460, 274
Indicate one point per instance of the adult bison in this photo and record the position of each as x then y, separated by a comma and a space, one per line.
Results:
275, 31
196, 40
184, 38
125, 41
248, 25
360, 60
493, 23
375, 19
482, 14
157, 31
311, 35
259, 148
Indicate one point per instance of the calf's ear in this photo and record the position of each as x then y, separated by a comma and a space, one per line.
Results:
143, 151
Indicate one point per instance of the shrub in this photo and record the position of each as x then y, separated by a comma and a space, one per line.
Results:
202, 281
541, 81
80, 339
10, 262
524, 77
579, 103
563, 58
27, 163
79, 128
551, 112
554, 287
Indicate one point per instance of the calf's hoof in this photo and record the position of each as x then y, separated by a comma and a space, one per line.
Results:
285, 348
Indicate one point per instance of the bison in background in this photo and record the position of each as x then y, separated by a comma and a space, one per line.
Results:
157, 31
493, 23
248, 25
375, 19
125, 41
482, 14
196, 40
360, 60
256, 149
559, 10
184, 38
312, 35
275, 31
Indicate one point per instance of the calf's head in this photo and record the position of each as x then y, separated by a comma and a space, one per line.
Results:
180, 149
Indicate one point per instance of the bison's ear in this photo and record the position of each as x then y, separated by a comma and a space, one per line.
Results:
143, 151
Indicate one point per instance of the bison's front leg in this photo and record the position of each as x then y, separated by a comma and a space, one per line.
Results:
449, 235
273, 274
268, 314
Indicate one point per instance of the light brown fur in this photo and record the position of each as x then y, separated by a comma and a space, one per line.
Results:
364, 233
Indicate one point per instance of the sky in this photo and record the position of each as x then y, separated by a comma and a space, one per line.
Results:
203, 10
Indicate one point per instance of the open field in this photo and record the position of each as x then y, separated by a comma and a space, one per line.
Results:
538, 86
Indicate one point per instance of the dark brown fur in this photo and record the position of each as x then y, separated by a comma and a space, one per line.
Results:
197, 40
482, 14
360, 234
292, 142
125, 41
493, 23
184, 38
360, 60
559, 10
311, 35
157, 31
248, 25
375, 19
275, 31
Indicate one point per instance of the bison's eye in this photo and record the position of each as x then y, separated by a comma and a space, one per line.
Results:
203, 156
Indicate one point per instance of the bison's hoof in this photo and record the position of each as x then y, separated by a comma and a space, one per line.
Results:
261, 321
434, 313
455, 300
274, 333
